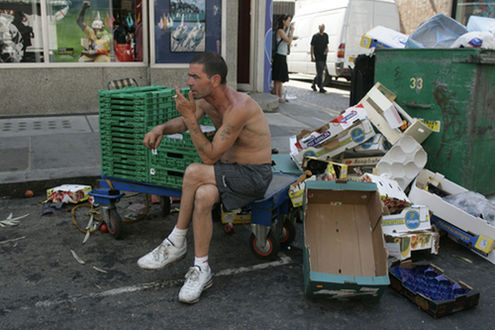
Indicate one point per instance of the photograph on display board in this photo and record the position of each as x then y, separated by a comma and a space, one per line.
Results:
20, 31
189, 25
186, 27
95, 31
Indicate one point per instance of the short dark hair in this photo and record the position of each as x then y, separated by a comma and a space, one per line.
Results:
212, 64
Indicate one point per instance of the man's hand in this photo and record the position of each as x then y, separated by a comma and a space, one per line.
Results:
313, 59
153, 138
187, 108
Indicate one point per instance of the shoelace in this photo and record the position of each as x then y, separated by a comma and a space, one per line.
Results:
161, 250
193, 274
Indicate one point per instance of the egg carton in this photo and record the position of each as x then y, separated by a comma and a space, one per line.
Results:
403, 161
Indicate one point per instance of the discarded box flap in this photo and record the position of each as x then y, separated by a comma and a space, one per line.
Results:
444, 210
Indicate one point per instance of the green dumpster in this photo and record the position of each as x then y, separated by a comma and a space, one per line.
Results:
454, 91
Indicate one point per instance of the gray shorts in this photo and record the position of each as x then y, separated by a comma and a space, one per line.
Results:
240, 184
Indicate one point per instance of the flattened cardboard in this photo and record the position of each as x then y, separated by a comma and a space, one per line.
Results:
345, 254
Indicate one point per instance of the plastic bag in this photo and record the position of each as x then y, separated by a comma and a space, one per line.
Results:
478, 39
440, 31
475, 204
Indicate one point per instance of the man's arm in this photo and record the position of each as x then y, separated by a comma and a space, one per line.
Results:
313, 53
226, 135
153, 138
80, 18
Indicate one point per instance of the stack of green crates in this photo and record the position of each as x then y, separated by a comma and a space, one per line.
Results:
126, 115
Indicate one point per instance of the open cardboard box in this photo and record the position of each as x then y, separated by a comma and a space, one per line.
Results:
482, 235
344, 248
379, 102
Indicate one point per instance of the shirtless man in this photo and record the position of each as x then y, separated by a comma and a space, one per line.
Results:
236, 166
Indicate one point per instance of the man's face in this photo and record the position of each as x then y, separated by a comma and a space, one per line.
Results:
322, 28
198, 81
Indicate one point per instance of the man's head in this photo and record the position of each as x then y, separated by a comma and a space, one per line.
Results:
321, 27
206, 70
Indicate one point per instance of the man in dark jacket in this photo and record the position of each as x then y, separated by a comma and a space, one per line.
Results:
319, 50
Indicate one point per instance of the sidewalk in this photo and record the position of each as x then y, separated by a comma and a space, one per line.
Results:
41, 152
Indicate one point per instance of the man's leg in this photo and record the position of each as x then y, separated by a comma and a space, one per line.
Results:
199, 277
174, 247
320, 65
195, 176
315, 79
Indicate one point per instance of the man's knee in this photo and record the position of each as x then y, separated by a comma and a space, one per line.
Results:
206, 196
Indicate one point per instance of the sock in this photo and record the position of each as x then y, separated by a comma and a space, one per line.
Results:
177, 236
202, 262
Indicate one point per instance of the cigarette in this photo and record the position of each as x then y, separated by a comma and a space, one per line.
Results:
174, 96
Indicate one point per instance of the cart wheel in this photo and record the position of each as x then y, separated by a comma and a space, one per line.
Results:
288, 233
228, 229
165, 205
114, 223
271, 249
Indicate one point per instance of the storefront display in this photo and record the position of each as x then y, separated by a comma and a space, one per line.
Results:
185, 27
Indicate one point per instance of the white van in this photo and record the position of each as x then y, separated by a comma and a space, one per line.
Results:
345, 23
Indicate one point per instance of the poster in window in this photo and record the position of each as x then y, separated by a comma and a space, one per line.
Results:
95, 31
184, 28
20, 32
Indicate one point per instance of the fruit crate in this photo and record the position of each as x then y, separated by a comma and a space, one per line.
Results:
427, 286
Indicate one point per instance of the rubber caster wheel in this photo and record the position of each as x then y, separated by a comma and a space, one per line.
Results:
165, 205
114, 224
288, 234
271, 249
228, 229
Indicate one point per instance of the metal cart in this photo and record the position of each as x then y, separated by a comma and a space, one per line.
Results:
271, 221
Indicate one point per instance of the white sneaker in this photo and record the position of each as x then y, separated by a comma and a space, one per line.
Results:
196, 281
163, 255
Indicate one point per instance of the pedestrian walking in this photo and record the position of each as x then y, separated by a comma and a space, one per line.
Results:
319, 51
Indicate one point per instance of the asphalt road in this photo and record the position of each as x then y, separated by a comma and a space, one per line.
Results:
44, 287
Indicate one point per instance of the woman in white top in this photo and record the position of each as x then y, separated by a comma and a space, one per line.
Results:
280, 73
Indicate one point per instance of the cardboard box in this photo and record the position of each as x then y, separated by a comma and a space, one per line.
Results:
414, 218
358, 133
356, 167
344, 250
68, 193
427, 286
376, 146
449, 213
381, 37
323, 169
236, 217
391, 193
379, 103
400, 245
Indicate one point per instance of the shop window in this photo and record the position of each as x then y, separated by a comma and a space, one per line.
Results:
183, 28
95, 31
466, 8
20, 31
